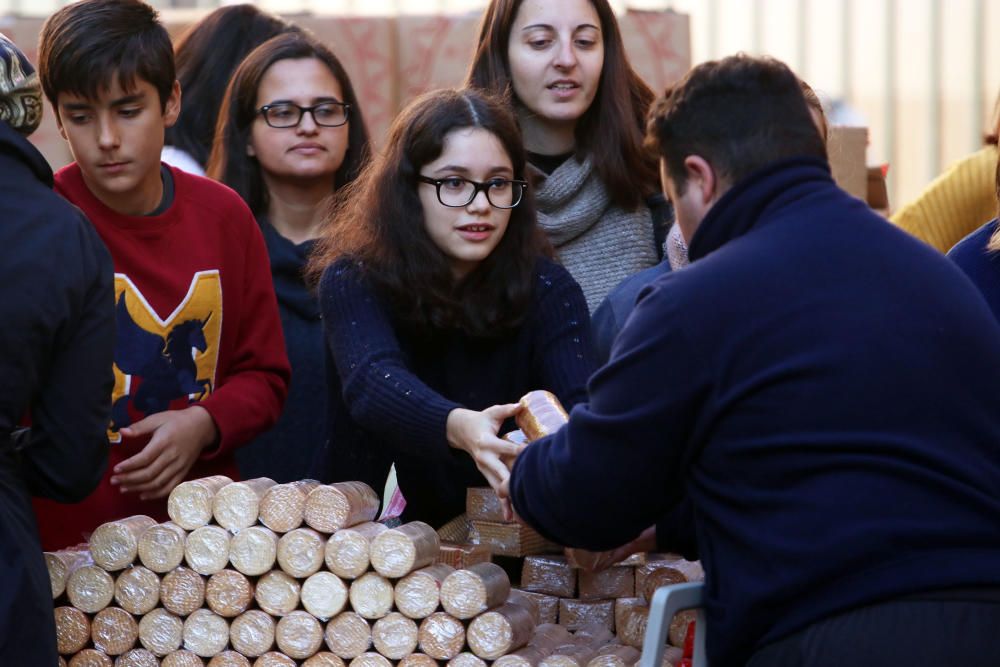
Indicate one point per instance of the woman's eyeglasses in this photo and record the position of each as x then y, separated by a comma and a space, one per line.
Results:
456, 192
287, 114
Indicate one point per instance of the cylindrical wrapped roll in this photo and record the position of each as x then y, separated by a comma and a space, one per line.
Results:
236, 506
324, 659
632, 626
114, 545
277, 593
182, 591
283, 506
137, 590
253, 550
228, 593
550, 636
371, 596
90, 588
659, 574
182, 658
466, 660
622, 605
616, 656
397, 552
161, 547
190, 503
229, 659
348, 551
114, 631
395, 636
466, 593
61, 563
161, 632
417, 660
526, 656
332, 507
679, 626
298, 635
252, 633
441, 636
274, 659
370, 660
348, 635
570, 655
324, 595
541, 414
137, 657
206, 549
500, 631
301, 551
418, 594
205, 633
90, 657
72, 630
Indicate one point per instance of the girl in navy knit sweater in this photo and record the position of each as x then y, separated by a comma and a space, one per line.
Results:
441, 307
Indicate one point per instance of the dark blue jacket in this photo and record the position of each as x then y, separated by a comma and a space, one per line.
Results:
610, 316
981, 265
822, 386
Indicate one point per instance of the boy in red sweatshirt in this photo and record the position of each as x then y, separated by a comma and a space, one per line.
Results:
200, 365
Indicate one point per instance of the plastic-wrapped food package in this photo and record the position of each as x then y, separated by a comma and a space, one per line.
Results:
348, 635
160, 632
115, 545
482, 504
541, 414
182, 658
228, 659
182, 591
397, 552
161, 547
254, 550
466, 593
137, 657
61, 563
547, 605
395, 636
418, 594
348, 551
90, 657
371, 596
274, 659
441, 636
90, 588
190, 503
277, 593
236, 506
205, 633
510, 539
324, 595
298, 635
616, 655
330, 507
228, 593
500, 631
418, 660
461, 556
614, 582
282, 507
370, 660
570, 655
324, 659
137, 590
300, 552
72, 630
206, 549
114, 631
466, 660
252, 633
550, 575
575, 614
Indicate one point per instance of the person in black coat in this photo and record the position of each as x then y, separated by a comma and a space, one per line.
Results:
56, 346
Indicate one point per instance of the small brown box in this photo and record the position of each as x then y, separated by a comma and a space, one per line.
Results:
482, 504
574, 614
461, 556
509, 539
614, 582
548, 606
550, 575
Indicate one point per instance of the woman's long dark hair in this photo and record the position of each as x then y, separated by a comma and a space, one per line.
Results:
379, 223
229, 162
611, 130
206, 56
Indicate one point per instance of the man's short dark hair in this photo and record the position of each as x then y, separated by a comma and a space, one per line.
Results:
84, 46
740, 113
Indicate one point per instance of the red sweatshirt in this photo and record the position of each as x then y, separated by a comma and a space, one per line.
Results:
197, 321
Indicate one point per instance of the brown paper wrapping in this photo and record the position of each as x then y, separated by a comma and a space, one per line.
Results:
418, 660
252, 633
570, 655
277, 593
182, 658
679, 626
466, 593
61, 563
632, 620
348, 635
397, 552
206, 549
90, 588
332, 507
547, 606
324, 659
283, 506
160, 632
205, 633
161, 547
461, 556
441, 636
656, 574
274, 659
370, 660
466, 660
482, 504
510, 539
137, 590
550, 636
622, 609
614, 582
182, 591
114, 545
348, 550
72, 630
324, 595
190, 503
114, 631
574, 614
541, 414
254, 550
616, 656
90, 657
228, 659
500, 631
236, 506
298, 635
371, 596
300, 552
228, 593
137, 657
550, 575
395, 636
418, 594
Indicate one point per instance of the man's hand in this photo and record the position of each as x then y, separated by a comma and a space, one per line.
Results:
178, 437
503, 493
476, 433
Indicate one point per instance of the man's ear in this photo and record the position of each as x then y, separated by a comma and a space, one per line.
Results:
172, 109
702, 176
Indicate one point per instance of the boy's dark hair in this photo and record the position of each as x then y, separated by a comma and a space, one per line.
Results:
84, 46
740, 113
229, 162
379, 222
207, 54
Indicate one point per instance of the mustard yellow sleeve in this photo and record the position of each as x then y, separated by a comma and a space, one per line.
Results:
955, 204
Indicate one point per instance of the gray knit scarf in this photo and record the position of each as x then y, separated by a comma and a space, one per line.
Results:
599, 243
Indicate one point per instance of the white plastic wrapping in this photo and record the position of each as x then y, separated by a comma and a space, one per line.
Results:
324, 595
190, 503
371, 595
137, 657
348, 551
395, 636
282, 507
298, 635
301, 552
335, 506
348, 635
161, 632
205, 633
236, 506
161, 547
253, 550
441, 636
115, 545
277, 593
498, 632
90, 589
418, 594
252, 633
72, 630
397, 552
182, 658
206, 549
114, 631
466, 593
182, 591
137, 590
228, 593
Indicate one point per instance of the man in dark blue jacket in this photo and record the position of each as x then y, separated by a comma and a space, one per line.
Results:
56, 344
823, 388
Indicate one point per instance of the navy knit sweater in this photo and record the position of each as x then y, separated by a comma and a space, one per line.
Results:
822, 386
391, 391
981, 265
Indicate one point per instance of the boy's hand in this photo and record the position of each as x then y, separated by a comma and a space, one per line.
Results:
179, 436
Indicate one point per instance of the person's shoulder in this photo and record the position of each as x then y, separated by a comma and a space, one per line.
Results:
342, 274
210, 198
971, 252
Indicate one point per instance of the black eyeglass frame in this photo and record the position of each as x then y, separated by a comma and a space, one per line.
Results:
476, 188
262, 111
